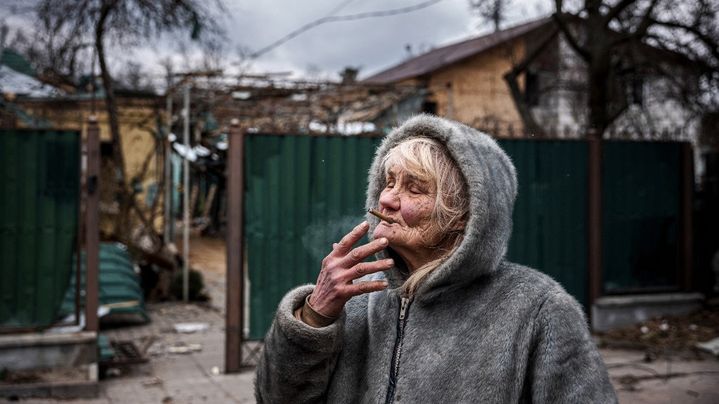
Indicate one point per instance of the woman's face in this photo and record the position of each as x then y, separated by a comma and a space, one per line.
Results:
410, 203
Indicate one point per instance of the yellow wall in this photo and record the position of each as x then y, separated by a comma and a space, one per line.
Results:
474, 92
138, 123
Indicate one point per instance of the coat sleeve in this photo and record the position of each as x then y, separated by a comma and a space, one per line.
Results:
298, 360
566, 366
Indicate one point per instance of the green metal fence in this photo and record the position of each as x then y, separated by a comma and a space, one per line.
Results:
302, 193
641, 205
39, 195
550, 214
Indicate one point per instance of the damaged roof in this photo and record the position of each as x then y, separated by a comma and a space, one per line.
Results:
446, 55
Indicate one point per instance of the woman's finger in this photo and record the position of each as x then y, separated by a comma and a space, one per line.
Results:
360, 253
365, 268
350, 239
360, 288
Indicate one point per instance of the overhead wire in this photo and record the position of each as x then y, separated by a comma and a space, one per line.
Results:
338, 18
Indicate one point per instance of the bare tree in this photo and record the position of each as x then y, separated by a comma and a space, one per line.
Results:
134, 76
603, 33
494, 11
124, 23
618, 39
58, 56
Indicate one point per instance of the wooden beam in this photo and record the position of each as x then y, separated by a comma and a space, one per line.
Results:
92, 232
235, 277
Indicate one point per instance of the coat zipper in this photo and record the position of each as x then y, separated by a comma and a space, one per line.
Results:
394, 370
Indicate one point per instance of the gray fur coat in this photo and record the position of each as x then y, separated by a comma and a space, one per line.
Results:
479, 329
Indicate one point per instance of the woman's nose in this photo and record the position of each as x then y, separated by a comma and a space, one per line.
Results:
389, 199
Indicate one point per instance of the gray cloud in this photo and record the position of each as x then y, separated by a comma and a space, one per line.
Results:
372, 44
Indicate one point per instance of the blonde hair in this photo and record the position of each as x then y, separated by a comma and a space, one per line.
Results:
430, 162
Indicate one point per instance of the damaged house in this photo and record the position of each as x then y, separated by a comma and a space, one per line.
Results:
471, 81
28, 102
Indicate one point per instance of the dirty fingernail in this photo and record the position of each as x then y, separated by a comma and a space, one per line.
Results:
383, 241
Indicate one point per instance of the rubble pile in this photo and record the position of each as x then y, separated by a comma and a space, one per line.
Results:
666, 334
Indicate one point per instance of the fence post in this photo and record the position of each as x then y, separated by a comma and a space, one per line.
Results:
594, 222
92, 234
235, 277
686, 202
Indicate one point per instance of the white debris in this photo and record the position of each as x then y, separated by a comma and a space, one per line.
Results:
201, 151
188, 328
154, 381
184, 348
711, 346
185, 151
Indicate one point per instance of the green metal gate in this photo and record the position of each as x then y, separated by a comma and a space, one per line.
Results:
641, 216
39, 196
550, 214
302, 193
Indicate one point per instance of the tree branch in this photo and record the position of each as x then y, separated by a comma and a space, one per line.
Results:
530, 124
558, 18
641, 30
709, 42
615, 11
519, 68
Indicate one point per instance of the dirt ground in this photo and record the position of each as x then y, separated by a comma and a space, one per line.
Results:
208, 254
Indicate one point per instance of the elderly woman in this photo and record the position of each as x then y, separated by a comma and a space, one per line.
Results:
440, 316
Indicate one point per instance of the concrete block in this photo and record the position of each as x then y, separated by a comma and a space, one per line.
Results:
611, 312
43, 350
64, 390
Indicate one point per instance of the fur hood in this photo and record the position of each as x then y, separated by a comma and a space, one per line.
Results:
492, 182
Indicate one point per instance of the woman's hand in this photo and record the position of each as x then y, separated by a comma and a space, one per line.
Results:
342, 266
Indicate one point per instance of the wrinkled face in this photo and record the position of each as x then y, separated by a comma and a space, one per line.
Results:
410, 202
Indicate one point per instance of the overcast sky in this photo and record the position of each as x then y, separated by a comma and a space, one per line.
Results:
371, 44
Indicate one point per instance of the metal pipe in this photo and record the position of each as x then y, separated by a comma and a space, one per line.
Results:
186, 198
169, 228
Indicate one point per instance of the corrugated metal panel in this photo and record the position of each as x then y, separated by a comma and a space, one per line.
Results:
551, 210
641, 215
302, 193
119, 287
39, 179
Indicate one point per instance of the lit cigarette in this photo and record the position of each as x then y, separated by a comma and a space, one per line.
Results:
381, 216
